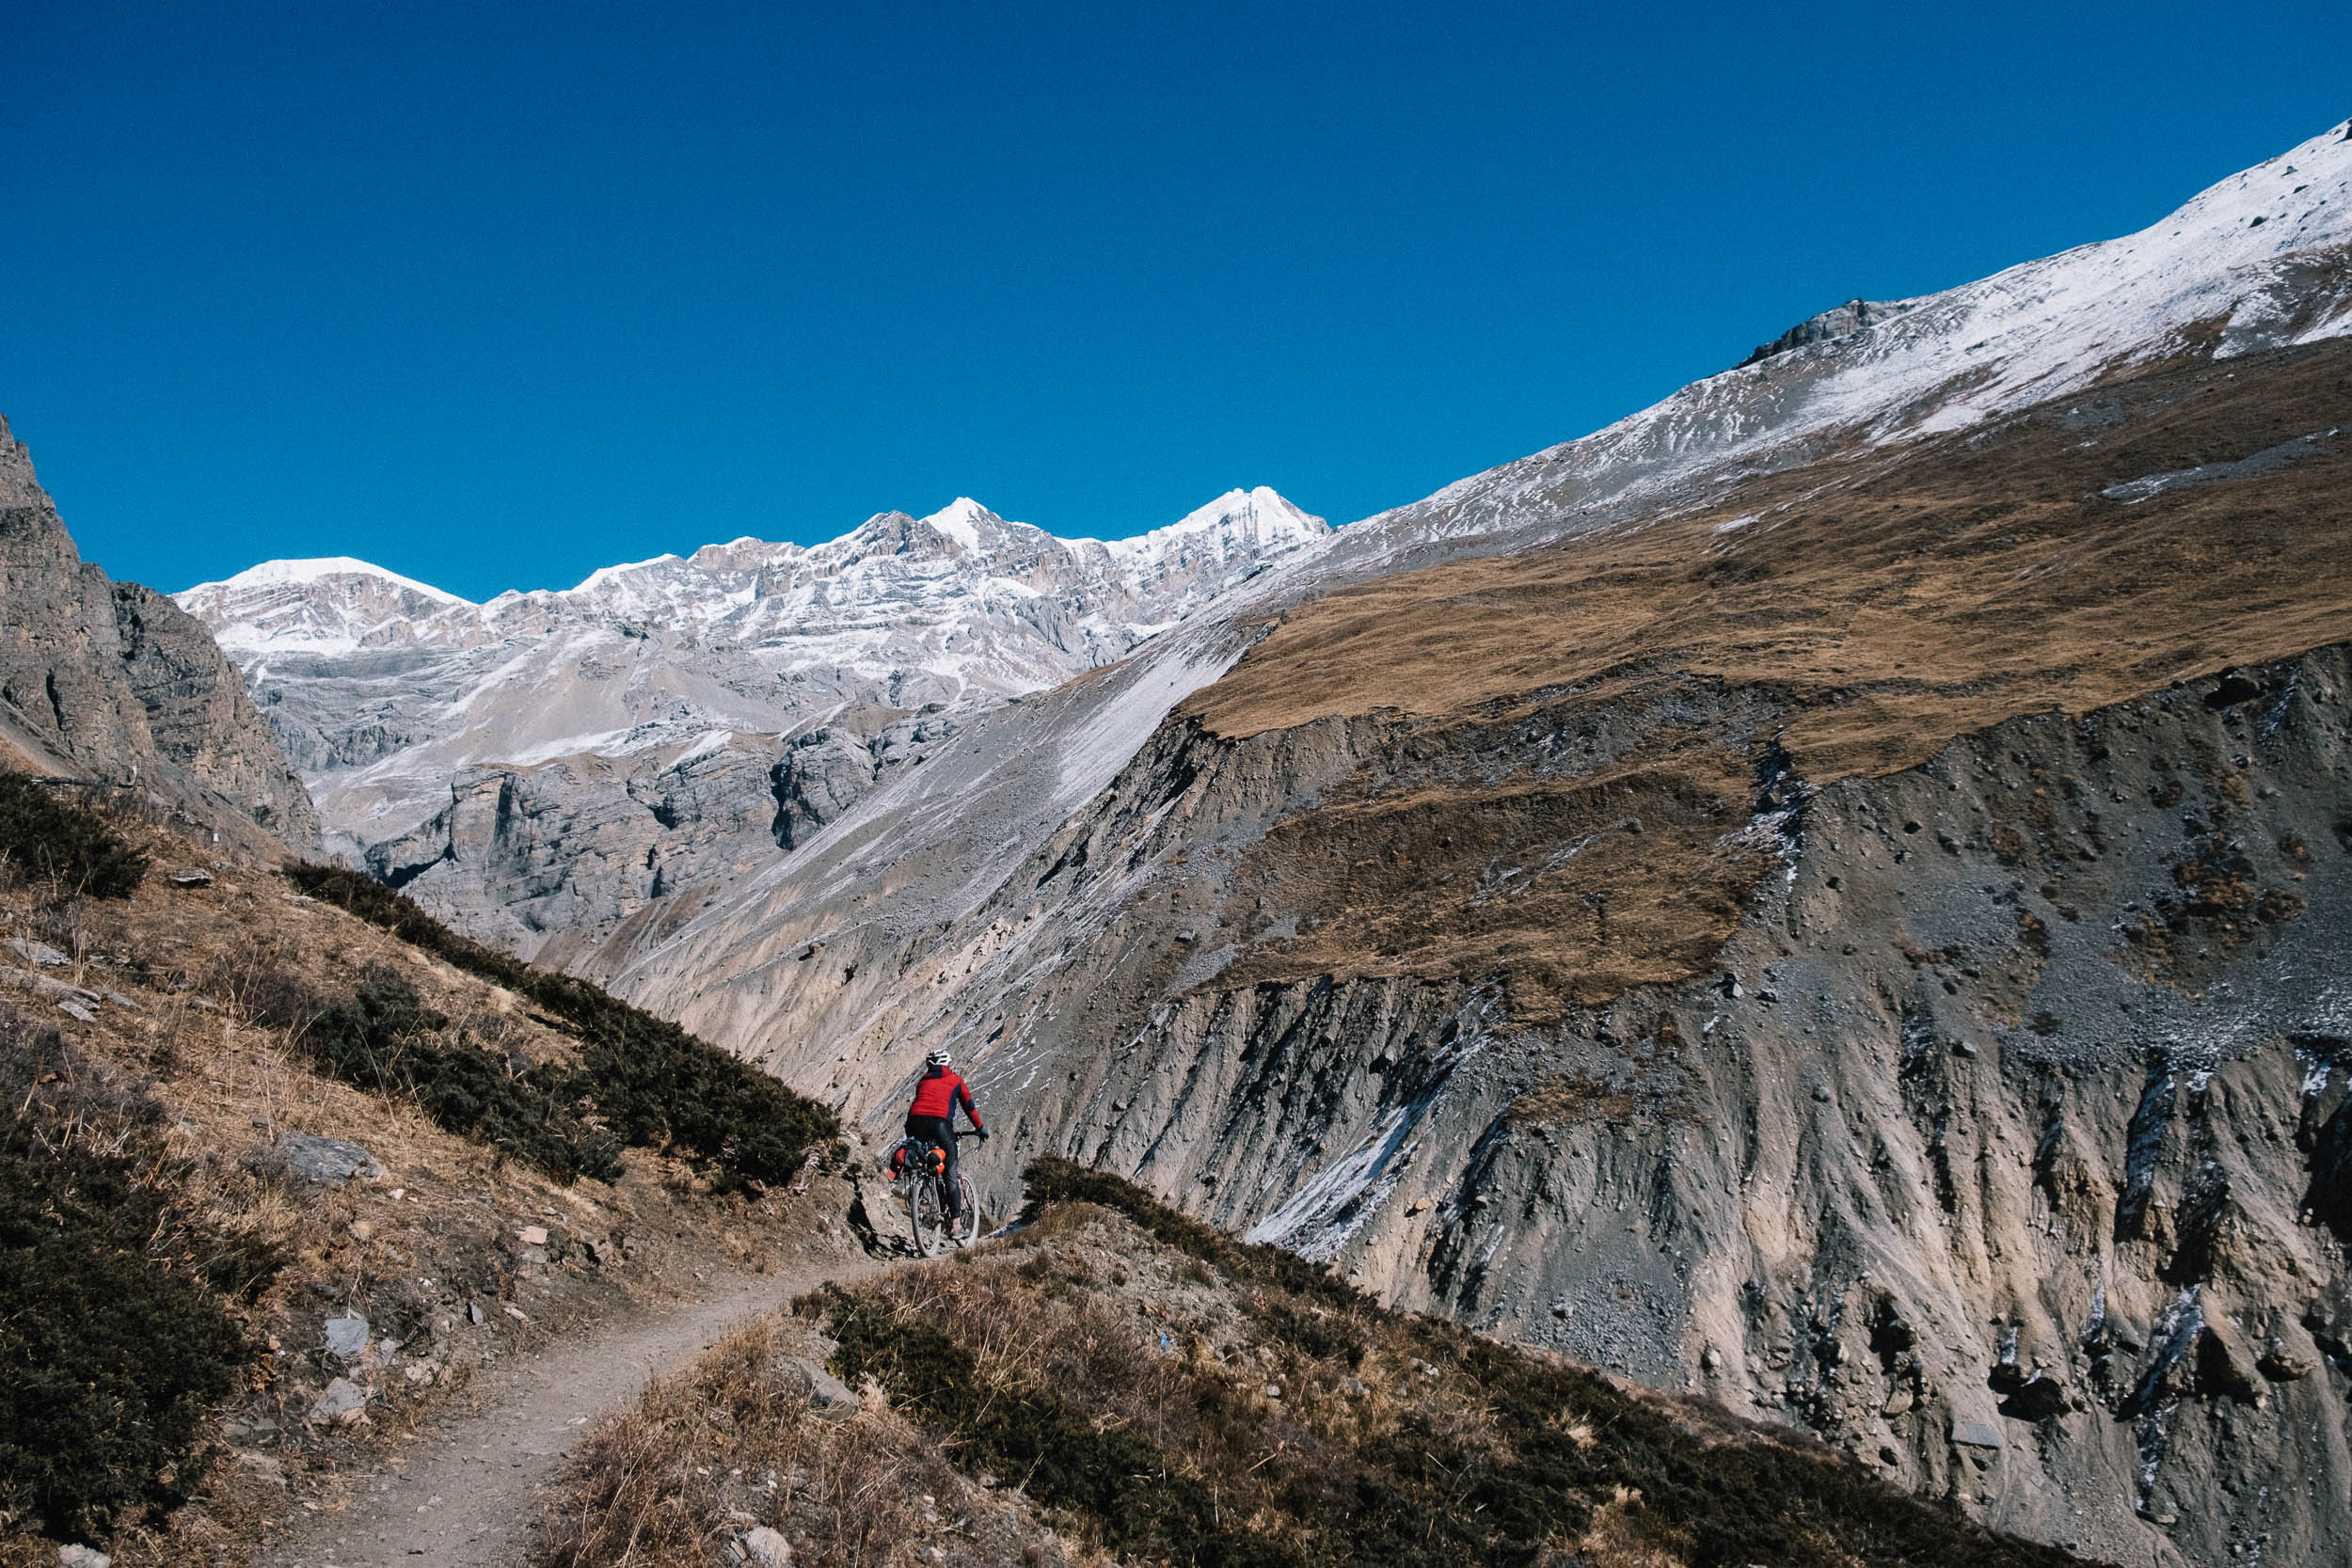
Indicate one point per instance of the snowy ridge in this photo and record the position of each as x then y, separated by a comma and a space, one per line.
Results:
384, 688
908, 630
2261, 260
278, 574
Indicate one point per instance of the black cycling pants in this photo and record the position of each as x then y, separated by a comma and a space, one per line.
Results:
939, 1131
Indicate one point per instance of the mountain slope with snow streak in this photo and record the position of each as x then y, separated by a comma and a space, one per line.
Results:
2261, 260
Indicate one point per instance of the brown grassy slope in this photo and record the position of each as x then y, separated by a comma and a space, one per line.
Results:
1898, 603
438, 1233
1868, 612
1574, 889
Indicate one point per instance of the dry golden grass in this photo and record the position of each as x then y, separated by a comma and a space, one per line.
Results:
731, 1444
1897, 603
1862, 615
1573, 889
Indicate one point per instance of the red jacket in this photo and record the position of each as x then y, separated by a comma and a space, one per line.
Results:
940, 1092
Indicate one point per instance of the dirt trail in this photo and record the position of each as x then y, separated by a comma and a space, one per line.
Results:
465, 1496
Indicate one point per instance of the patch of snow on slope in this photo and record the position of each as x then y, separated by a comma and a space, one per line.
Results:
278, 574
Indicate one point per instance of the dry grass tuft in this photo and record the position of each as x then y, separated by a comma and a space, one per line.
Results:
732, 1444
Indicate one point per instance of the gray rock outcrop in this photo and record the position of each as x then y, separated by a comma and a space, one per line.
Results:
116, 685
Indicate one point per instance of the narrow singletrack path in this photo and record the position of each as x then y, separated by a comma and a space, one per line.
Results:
468, 1494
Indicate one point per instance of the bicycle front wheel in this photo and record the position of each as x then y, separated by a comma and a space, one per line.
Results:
931, 1222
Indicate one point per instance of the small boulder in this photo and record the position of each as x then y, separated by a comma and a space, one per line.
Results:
39, 953
532, 1235
347, 1336
829, 1398
190, 877
2039, 1398
83, 1556
342, 1402
330, 1162
2282, 1364
1977, 1435
2234, 686
764, 1547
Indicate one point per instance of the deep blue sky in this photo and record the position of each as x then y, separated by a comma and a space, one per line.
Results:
494, 295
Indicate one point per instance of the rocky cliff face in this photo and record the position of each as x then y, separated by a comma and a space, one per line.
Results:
115, 684
1998, 1142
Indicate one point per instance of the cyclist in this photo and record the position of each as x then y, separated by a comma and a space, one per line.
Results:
932, 1119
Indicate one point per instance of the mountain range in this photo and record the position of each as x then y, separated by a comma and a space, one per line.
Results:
1829, 895
677, 720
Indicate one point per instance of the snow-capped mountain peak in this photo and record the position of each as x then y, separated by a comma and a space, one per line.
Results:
333, 604
278, 574
962, 520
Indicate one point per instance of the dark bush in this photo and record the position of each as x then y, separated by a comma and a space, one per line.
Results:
648, 1081
111, 1356
384, 1040
1126, 1483
45, 837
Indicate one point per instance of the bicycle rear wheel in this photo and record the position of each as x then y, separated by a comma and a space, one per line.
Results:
967, 1226
930, 1223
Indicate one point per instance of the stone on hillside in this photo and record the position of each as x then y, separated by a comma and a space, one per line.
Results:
35, 952
2039, 1398
764, 1546
330, 1161
829, 1398
532, 1235
1977, 1435
83, 1556
343, 1401
347, 1336
191, 877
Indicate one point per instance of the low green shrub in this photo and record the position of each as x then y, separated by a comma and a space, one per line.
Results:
383, 1040
45, 837
114, 1343
649, 1082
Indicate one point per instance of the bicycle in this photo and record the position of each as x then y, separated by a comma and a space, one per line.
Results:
927, 1166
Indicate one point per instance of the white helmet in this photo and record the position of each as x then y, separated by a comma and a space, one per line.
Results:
937, 1058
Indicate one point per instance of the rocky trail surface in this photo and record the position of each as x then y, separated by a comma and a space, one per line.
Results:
467, 1494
